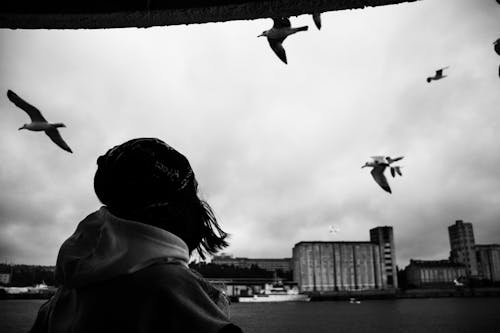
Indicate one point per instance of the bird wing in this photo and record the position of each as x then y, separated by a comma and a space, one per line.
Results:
54, 135
33, 112
393, 172
278, 49
317, 20
398, 170
281, 22
391, 160
439, 72
378, 174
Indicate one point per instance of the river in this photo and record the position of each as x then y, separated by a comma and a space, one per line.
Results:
403, 315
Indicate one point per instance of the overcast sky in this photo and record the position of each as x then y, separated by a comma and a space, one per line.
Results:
277, 148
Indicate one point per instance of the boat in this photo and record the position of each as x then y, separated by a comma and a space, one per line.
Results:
275, 293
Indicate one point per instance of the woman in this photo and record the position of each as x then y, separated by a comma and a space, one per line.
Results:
125, 267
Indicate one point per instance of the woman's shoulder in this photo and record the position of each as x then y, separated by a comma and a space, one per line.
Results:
177, 278
159, 273
170, 275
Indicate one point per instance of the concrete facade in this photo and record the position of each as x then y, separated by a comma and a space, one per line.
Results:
462, 246
337, 266
342, 266
384, 237
488, 261
431, 273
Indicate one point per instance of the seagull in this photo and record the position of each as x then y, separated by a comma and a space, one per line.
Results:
38, 122
379, 164
497, 46
276, 35
317, 20
438, 76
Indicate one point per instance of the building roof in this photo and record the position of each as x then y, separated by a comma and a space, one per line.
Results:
85, 14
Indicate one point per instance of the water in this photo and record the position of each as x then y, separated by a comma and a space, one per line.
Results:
405, 315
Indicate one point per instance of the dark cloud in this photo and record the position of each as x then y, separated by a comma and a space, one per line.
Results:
277, 149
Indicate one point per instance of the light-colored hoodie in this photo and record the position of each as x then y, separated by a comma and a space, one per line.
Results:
119, 275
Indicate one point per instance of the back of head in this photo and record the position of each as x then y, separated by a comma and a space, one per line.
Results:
148, 181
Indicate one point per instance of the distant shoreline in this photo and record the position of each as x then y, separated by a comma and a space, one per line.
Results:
341, 296
410, 293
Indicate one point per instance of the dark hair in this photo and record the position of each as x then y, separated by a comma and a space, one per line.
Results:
148, 181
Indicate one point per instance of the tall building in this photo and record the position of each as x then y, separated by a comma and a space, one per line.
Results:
384, 237
462, 246
433, 273
338, 266
488, 261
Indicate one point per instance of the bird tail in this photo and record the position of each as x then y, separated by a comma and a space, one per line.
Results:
59, 125
304, 28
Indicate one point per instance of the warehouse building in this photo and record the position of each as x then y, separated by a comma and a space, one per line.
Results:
340, 266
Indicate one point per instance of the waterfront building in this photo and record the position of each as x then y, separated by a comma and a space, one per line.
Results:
433, 273
283, 264
340, 266
462, 246
488, 261
384, 237
235, 287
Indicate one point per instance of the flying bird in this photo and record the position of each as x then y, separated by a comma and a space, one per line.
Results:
438, 76
378, 165
276, 35
38, 122
497, 46
317, 20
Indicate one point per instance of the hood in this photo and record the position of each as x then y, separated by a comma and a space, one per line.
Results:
105, 246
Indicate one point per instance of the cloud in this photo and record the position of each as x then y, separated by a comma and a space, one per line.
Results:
277, 149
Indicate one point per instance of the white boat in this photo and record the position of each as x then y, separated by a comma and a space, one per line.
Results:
275, 294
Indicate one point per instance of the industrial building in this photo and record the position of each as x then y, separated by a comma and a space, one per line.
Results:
340, 266
462, 246
384, 237
433, 273
467, 259
488, 261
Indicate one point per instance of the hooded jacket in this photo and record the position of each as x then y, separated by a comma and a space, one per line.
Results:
119, 275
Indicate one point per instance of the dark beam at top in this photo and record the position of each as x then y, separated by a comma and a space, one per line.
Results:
98, 14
